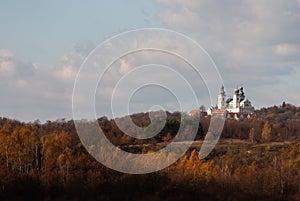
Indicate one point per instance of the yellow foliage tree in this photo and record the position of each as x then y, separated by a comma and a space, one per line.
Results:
266, 134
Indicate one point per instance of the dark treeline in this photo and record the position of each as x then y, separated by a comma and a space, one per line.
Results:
261, 162
277, 123
169, 130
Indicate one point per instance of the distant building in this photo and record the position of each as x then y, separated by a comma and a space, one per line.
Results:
198, 113
237, 106
214, 110
194, 112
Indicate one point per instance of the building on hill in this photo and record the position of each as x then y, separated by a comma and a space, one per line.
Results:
199, 112
237, 106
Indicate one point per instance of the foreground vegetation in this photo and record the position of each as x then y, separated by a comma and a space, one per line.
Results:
256, 159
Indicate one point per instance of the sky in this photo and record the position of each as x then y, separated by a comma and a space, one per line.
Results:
255, 44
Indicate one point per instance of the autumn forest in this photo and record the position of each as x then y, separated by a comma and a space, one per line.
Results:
256, 159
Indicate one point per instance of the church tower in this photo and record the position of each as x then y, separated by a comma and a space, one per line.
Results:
221, 98
236, 99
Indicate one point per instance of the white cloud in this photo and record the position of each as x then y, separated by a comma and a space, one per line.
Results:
6, 53
22, 83
70, 66
252, 42
7, 63
44, 89
286, 49
124, 66
67, 73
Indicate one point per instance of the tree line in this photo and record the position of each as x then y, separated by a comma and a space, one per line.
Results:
48, 162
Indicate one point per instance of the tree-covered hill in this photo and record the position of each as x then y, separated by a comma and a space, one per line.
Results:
257, 159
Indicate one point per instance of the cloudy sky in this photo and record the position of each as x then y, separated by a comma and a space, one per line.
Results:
42, 45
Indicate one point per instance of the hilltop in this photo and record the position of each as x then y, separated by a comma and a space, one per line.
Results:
255, 159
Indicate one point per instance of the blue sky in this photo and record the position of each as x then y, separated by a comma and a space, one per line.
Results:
44, 30
43, 43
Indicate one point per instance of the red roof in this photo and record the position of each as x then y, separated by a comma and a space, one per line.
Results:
218, 111
194, 112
